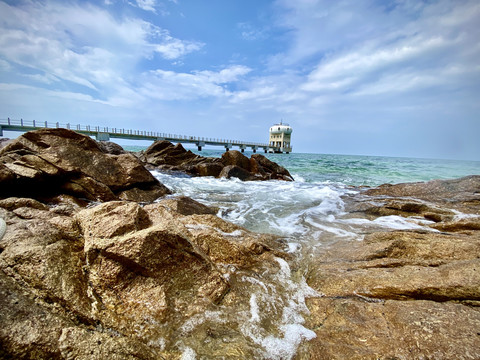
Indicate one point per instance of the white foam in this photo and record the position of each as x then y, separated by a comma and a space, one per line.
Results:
399, 223
255, 316
235, 233
285, 347
199, 319
277, 207
188, 354
293, 247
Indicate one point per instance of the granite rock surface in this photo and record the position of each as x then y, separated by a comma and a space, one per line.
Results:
402, 294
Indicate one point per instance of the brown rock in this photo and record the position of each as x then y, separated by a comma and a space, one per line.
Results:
465, 224
186, 206
236, 158
166, 156
4, 142
111, 148
396, 295
230, 171
208, 169
117, 278
39, 252
49, 162
463, 193
273, 170
31, 329
355, 329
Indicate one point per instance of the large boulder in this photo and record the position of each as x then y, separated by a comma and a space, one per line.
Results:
49, 162
120, 280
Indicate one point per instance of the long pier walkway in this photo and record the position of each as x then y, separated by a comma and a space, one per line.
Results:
105, 134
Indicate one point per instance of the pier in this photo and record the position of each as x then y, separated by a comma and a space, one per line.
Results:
106, 133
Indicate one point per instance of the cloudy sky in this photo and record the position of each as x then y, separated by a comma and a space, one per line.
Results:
369, 77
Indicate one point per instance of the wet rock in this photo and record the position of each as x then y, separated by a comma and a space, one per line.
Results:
50, 162
230, 171
402, 294
273, 170
208, 169
462, 194
166, 156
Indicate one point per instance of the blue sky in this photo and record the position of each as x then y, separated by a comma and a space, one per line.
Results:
394, 78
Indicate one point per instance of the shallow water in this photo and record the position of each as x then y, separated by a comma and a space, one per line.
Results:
309, 214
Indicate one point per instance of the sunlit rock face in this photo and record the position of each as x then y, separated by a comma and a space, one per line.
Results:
50, 162
119, 275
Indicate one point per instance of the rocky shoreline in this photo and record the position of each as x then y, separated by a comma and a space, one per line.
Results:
91, 267
410, 294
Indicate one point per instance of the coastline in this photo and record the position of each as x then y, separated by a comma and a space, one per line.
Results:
94, 281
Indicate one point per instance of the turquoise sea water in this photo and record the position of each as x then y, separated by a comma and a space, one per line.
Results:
360, 170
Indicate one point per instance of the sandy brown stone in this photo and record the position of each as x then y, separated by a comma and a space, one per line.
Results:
186, 206
357, 329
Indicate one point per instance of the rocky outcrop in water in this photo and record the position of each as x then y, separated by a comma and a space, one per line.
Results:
51, 162
164, 155
403, 294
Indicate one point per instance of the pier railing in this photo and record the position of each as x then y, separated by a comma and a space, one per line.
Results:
105, 133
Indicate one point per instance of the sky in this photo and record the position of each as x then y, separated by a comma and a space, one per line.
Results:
365, 77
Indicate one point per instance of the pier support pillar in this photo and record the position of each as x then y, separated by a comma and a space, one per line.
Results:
242, 148
200, 144
254, 149
227, 147
1, 131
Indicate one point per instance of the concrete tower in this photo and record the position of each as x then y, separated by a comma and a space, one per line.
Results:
280, 135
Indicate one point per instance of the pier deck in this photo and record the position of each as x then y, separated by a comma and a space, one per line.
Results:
105, 134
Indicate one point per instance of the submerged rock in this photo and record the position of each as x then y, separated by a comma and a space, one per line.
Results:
166, 156
50, 162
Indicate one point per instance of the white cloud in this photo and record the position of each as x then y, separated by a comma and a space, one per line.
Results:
83, 44
169, 85
147, 5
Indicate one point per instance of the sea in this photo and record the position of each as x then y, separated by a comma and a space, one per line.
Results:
308, 215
